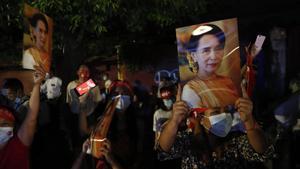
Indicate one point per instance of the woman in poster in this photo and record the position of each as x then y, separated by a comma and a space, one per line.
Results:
211, 142
37, 54
208, 89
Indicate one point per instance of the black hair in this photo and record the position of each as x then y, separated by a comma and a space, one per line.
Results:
194, 40
82, 65
14, 84
38, 17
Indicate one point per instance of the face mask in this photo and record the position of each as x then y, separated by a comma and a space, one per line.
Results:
220, 124
51, 94
123, 102
17, 102
168, 103
285, 121
53, 87
5, 134
237, 124
4, 92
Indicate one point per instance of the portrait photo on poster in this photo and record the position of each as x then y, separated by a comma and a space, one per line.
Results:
37, 39
209, 63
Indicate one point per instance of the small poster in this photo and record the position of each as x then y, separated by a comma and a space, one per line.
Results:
37, 39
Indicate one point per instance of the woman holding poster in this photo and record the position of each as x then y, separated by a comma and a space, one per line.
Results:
210, 107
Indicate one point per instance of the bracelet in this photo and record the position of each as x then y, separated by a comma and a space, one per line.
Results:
255, 126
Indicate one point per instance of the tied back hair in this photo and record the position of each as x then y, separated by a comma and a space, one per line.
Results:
194, 40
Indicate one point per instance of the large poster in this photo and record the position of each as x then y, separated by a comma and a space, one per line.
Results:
37, 40
209, 63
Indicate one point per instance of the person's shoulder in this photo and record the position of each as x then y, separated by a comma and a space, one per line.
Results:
72, 84
190, 86
193, 80
15, 141
222, 77
158, 111
27, 53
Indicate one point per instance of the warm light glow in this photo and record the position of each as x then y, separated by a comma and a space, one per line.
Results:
201, 29
100, 140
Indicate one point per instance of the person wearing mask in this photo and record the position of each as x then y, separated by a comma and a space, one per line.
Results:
167, 96
200, 129
14, 145
118, 125
13, 90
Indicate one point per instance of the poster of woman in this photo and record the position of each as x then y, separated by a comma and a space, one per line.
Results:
209, 63
37, 40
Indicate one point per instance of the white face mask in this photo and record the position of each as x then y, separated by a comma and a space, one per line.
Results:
5, 134
220, 124
123, 102
53, 87
168, 103
282, 119
53, 93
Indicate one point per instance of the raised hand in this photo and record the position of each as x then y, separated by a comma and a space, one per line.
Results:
83, 98
39, 74
106, 151
244, 105
180, 108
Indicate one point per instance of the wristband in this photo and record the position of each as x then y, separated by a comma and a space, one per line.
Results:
254, 127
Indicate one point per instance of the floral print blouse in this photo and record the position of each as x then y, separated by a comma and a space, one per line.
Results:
237, 154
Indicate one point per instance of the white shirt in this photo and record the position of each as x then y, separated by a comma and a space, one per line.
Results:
160, 116
28, 60
91, 102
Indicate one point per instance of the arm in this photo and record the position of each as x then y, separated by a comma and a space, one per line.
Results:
106, 150
154, 127
254, 133
77, 163
168, 135
83, 124
27, 129
94, 99
179, 114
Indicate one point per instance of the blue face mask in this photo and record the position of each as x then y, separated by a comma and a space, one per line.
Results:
17, 102
168, 103
123, 102
220, 124
4, 92
237, 124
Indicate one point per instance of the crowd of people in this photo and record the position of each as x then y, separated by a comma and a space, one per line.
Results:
205, 125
